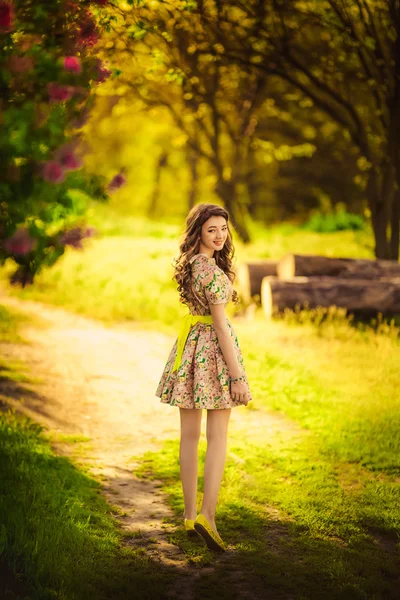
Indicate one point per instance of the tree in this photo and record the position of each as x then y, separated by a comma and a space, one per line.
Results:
344, 55
178, 64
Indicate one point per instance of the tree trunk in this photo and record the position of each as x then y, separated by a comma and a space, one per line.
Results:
162, 161
251, 182
394, 146
249, 277
253, 205
193, 163
362, 297
226, 190
309, 265
378, 215
395, 227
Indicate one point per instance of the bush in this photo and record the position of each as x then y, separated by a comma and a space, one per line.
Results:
47, 70
338, 221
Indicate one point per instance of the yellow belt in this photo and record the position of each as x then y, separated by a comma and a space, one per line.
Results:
187, 322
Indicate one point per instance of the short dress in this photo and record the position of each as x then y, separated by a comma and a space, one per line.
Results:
202, 380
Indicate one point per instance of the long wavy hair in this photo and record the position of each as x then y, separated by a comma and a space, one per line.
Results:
190, 246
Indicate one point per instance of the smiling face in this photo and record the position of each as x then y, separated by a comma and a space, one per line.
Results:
213, 235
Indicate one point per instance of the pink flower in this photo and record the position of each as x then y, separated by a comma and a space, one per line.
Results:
20, 243
73, 64
59, 93
53, 172
66, 157
74, 236
71, 162
6, 15
116, 182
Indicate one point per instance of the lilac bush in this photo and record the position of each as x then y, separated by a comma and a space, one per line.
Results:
48, 67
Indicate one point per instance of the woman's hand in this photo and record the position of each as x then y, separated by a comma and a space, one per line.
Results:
239, 392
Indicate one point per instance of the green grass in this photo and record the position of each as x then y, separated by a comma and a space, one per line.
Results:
126, 272
314, 514
296, 528
57, 528
58, 537
339, 381
9, 324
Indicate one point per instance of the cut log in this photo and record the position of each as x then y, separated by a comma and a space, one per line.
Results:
362, 297
249, 277
294, 265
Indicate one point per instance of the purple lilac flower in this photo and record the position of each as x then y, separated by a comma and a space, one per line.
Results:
53, 172
117, 181
20, 243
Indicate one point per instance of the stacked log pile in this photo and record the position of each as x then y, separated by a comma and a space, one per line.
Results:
249, 277
363, 287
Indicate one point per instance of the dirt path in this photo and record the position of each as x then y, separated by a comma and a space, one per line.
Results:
99, 381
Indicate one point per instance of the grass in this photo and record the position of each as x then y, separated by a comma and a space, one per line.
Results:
312, 514
10, 321
336, 380
58, 537
296, 529
123, 274
58, 529
315, 513
117, 278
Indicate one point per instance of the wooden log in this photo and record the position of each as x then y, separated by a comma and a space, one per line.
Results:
250, 275
363, 297
306, 265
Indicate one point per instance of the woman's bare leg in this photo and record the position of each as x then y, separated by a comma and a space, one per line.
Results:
217, 433
188, 453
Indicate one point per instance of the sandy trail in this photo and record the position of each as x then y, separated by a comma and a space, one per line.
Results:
99, 381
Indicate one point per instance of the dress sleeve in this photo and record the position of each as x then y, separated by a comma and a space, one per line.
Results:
216, 286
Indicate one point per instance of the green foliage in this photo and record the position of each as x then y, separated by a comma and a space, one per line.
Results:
255, 142
340, 220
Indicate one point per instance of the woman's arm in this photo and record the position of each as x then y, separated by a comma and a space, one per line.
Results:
238, 389
224, 339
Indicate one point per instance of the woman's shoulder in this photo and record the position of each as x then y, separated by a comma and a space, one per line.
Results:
206, 268
202, 260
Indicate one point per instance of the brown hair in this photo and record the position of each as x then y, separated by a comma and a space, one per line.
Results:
190, 246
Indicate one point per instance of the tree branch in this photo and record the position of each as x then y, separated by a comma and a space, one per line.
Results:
325, 88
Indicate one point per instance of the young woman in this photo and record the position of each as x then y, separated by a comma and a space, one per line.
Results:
205, 368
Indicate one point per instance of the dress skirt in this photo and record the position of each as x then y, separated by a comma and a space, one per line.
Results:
202, 380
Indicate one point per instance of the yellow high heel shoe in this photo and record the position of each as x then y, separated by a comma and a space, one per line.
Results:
211, 537
189, 527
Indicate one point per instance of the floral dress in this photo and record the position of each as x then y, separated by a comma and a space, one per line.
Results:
202, 380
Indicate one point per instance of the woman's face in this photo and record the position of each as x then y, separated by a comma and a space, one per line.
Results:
214, 233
